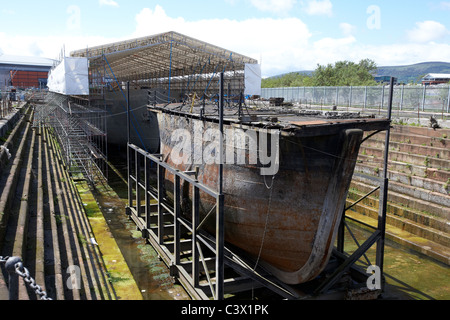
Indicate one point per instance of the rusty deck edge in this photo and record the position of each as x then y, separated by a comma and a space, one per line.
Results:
293, 128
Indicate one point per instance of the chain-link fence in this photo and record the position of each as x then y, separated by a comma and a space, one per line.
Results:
434, 99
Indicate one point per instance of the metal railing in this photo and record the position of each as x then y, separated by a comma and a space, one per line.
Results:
434, 99
15, 268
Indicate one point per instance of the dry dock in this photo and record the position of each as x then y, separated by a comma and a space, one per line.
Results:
46, 222
51, 221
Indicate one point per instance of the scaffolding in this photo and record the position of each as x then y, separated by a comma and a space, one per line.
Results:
172, 65
81, 131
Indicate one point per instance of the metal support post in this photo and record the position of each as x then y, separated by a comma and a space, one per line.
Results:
195, 222
170, 70
423, 97
137, 160
147, 197
365, 97
220, 237
448, 100
129, 160
160, 207
177, 216
384, 189
350, 97
337, 96
402, 97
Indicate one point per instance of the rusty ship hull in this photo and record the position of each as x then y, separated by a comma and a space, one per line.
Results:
287, 222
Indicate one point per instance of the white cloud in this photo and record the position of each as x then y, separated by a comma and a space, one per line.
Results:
47, 46
278, 6
347, 29
111, 3
264, 37
319, 7
427, 31
283, 51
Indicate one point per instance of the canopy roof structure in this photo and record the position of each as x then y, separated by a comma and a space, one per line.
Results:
165, 61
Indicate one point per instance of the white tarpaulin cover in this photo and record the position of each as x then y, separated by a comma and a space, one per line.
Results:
252, 80
70, 77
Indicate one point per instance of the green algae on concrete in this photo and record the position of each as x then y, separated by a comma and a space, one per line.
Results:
419, 277
118, 272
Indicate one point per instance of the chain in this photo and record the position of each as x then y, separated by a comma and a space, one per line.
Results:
25, 274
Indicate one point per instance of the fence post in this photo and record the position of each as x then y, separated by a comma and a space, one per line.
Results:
337, 96
423, 97
402, 97
448, 100
382, 97
351, 97
365, 97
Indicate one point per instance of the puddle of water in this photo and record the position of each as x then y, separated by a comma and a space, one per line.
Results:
150, 273
409, 272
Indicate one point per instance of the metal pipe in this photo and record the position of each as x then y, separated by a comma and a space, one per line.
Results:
220, 234
129, 159
170, 70
128, 113
384, 188
221, 111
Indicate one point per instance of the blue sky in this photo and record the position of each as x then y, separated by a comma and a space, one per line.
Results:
285, 35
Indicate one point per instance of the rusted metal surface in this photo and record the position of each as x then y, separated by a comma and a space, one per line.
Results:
287, 222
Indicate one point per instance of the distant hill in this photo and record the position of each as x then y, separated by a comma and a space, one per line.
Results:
404, 74
414, 72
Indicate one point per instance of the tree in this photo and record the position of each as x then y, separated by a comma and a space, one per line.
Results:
342, 73
346, 73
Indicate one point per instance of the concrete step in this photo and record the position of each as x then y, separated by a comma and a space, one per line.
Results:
418, 223
439, 187
43, 221
82, 255
429, 248
434, 198
422, 131
435, 151
406, 201
420, 170
418, 139
427, 162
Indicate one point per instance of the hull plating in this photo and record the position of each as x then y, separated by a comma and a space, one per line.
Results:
289, 221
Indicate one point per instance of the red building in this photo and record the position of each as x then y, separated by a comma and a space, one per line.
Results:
24, 72
28, 79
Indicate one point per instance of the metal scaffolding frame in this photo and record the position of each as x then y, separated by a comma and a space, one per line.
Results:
174, 65
81, 131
